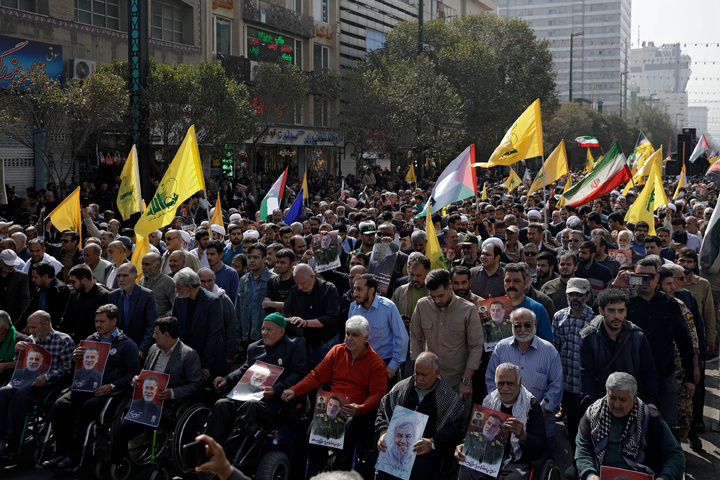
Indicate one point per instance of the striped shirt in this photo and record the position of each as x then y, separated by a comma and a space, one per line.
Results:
566, 337
60, 347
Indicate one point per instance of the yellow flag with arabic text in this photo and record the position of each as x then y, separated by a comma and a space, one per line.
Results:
651, 197
410, 177
66, 216
432, 249
129, 197
554, 167
523, 140
513, 181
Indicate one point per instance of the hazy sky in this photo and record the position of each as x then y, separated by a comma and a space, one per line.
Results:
688, 22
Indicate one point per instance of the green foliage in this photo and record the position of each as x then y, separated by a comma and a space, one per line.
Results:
69, 114
479, 58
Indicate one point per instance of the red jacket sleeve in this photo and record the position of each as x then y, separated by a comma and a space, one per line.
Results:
320, 375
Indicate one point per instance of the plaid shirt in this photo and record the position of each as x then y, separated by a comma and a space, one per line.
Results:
61, 347
566, 337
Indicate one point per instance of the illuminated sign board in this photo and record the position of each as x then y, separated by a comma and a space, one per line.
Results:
264, 46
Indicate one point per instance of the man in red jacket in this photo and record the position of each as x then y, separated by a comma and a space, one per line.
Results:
355, 371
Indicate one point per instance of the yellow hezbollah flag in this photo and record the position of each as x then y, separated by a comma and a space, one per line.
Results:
568, 184
432, 249
589, 162
513, 181
129, 197
651, 197
142, 247
523, 140
484, 192
410, 177
66, 216
555, 167
217, 218
180, 182
643, 170
682, 182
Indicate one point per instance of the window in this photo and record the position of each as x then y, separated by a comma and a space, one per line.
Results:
320, 10
320, 107
321, 58
100, 13
373, 39
26, 5
222, 28
166, 23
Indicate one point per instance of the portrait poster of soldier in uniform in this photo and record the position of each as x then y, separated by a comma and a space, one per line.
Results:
623, 256
326, 251
89, 371
328, 424
253, 382
32, 362
404, 431
612, 473
146, 407
451, 253
485, 440
495, 317
383, 258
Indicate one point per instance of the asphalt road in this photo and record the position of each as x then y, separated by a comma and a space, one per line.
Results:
700, 465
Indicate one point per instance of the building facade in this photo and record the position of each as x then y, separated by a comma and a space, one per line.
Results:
600, 55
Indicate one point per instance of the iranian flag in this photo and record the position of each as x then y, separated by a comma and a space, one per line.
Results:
700, 148
273, 197
610, 172
587, 142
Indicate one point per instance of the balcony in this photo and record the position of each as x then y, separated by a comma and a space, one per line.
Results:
278, 17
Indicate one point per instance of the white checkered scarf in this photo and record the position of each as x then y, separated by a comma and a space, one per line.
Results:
520, 410
449, 406
632, 434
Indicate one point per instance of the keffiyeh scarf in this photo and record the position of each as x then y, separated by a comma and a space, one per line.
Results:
520, 410
632, 434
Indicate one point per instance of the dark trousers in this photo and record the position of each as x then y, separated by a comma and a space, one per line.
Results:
573, 412
511, 471
698, 400
15, 405
355, 428
226, 413
127, 430
82, 406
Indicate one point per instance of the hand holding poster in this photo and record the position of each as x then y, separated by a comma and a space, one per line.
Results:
612, 473
404, 431
485, 440
383, 257
32, 362
328, 425
495, 316
89, 372
253, 382
146, 407
326, 251
622, 256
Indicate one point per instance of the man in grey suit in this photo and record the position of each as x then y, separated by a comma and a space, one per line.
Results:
171, 356
14, 289
200, 316
138, 309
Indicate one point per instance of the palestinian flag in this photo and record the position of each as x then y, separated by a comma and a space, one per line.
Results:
457, 182
701, 147
607, 175
274, 197
587, 142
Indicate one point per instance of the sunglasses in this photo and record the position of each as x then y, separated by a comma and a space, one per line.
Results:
518, 326
530, 254
575, 294
170, 238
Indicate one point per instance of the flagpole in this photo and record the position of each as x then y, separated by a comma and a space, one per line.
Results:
545, 195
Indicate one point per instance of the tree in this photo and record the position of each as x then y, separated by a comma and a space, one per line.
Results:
63, 116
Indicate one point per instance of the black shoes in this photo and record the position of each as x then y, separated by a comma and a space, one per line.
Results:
695, 442
53, 463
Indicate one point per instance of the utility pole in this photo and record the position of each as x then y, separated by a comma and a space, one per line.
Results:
420, 27
570, 84
138, 26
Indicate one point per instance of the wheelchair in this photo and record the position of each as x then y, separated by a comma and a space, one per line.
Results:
545, 469
162, 447
97, 438
36, 424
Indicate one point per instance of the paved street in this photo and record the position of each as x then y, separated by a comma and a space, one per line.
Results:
700, 466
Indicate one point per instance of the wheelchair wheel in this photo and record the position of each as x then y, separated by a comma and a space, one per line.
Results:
274, 465
140, 449
160, 474
102, 469
190, 425
122, 470
548, 471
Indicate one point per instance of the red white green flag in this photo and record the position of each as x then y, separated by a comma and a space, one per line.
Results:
587, 142
700, 148
273, 197
610, 172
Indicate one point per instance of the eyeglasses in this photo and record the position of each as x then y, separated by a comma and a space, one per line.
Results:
574, 240
518, 326
530, 254
170, 238
575, 294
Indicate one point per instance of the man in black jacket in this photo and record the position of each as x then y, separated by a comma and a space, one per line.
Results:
78, 321
439, 402
120, 368
275, 348
50, 294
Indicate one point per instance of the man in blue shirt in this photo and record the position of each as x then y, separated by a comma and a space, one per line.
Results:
235, 246
388, 336
225, 277
515, 280
538, 360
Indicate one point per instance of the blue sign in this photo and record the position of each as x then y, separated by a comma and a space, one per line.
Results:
18, 55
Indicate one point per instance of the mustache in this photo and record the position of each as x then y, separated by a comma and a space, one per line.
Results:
512, 289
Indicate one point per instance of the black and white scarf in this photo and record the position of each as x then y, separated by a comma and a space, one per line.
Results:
632, 435
520, 410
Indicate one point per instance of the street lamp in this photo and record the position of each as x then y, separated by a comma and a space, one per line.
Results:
572, 35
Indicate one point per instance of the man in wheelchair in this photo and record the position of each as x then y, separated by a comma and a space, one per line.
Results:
356, 371
275, 348
526, 445
171, 356
16, 403
84, 407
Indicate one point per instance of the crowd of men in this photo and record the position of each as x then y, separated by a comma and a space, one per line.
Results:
610, 326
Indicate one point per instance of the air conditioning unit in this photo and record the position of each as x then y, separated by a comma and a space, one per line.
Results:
254, 67
81, 69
